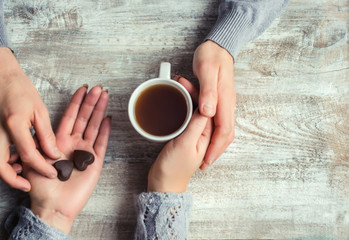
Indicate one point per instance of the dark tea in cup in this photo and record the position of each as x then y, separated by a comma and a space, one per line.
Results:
161, 110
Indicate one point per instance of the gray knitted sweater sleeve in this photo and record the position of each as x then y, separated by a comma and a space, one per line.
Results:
163, 216
160, 216
3, 38
23, 224
240, 21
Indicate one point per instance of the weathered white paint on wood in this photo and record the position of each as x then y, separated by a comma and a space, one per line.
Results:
287, 173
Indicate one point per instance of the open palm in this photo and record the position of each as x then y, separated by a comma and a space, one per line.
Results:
84, 127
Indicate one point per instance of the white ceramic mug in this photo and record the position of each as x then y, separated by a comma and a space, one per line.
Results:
163, 79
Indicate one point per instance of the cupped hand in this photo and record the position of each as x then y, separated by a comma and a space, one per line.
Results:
84, 127
21, 108
181, 157
214, 68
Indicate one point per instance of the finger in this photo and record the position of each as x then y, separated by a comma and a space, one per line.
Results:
224, 120
86, 110
194, 129
13, 158
69, 117
36, 141
204, 166
193, 91
204, 139
17, 168
101, 143
208, 78
9, 175
26, 149
97, 118
45, 135
176, 77
4, 146
220, 141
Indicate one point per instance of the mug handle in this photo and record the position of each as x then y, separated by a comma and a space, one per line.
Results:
165, 70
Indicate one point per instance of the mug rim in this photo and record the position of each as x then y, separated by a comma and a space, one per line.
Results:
134, 97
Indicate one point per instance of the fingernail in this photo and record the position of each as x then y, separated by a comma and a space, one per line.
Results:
211, 160
209, 109
204, 166
25, 189
85, 85
176, 77
109, 116
106, 90
100, 85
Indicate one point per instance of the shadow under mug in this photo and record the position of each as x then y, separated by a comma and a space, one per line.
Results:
163, 79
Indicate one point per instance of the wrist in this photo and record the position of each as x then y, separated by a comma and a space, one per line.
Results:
161, 183
9, 65
53, 218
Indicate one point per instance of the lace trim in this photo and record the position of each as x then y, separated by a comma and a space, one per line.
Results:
23, 224
164, 215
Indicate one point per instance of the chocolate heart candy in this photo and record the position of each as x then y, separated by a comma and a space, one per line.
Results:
82, 159
64, 169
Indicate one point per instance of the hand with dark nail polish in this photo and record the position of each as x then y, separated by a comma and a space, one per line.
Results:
58, 201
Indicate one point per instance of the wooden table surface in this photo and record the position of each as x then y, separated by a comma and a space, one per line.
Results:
286, 175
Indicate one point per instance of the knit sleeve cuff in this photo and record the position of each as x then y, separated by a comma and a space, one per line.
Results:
229, 31
3, 41
163, 215
24, 224
3, 37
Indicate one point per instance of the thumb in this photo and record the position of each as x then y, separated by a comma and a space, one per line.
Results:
208, 92
195, 128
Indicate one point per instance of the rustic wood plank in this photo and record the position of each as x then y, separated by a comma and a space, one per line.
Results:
286, 175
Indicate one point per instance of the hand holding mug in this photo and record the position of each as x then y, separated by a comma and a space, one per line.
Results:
182, 156
214, 68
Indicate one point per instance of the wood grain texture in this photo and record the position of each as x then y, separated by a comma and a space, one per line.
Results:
286, 175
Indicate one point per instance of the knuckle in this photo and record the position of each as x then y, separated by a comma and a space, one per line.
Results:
206, 66
12, 121
209, 92
50, 136
27, 156
228, 133
94, 127
83, 119
43, 112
